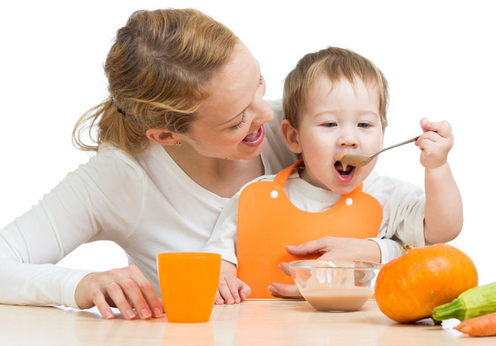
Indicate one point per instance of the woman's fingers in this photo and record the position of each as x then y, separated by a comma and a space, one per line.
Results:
284, 266
117, 295
126, 289
284, 291
147, 292
134, 293
320, 245
100, 300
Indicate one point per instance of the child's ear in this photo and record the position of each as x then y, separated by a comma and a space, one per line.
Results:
291, 137
163, 137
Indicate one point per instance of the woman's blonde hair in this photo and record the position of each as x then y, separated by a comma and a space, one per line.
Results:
157, 69
334, 63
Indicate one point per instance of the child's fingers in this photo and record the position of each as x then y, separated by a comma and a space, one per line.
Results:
232, 292
228, 289
218, 299
233, 288
428, 142
226, 295
244, 290
431, 142
442, 128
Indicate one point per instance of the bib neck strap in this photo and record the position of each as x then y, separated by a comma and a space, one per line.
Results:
284, 174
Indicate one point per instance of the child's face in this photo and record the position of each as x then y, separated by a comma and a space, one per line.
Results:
345, 120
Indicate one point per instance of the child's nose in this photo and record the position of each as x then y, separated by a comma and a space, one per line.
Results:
348, 138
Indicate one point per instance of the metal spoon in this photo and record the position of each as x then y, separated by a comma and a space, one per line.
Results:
359, 160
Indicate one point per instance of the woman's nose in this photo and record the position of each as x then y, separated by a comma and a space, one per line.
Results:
264, 114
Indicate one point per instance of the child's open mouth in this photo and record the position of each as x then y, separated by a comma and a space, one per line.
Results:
344, 175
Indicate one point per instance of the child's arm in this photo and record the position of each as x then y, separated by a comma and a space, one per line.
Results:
231, 290
443, 202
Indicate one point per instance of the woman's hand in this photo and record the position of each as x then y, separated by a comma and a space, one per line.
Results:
282, 290
126, 289
331, 248
334, 248
231, 289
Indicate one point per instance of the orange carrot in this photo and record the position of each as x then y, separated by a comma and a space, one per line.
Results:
484, 325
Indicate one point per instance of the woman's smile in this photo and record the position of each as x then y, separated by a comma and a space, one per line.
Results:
256, 138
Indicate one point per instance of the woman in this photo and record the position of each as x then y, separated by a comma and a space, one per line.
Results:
181, 132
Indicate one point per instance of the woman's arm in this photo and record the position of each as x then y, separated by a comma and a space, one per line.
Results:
89, 204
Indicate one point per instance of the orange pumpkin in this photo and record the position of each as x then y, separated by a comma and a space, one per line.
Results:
410, 286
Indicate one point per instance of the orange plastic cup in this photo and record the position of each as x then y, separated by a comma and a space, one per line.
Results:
188, 283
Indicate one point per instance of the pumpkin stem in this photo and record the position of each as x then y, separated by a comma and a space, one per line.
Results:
407, 247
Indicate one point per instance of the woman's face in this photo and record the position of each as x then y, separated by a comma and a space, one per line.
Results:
229, 124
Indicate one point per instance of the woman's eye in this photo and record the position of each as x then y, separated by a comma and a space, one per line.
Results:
240, 124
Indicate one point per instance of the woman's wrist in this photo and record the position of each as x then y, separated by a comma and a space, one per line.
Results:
374, 251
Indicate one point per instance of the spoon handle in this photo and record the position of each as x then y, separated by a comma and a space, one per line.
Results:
394, 146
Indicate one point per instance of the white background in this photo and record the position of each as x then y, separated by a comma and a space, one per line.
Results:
438, 56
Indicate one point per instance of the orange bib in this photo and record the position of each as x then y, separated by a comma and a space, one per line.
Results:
268, 221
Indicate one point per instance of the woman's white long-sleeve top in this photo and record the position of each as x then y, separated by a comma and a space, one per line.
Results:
145, 203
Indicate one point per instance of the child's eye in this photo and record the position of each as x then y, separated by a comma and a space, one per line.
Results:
331, 124
238, 126
363, 125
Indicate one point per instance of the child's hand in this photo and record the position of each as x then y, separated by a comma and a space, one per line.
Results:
435, 143
231, 290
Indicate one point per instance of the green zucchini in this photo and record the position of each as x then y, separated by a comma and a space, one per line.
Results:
477, 301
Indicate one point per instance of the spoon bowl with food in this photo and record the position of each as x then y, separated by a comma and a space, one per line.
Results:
358, 160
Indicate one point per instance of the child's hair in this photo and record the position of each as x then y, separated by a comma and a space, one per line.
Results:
156, 70
334, 63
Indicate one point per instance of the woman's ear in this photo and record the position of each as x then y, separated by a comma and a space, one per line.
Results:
163, 137
291, 137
